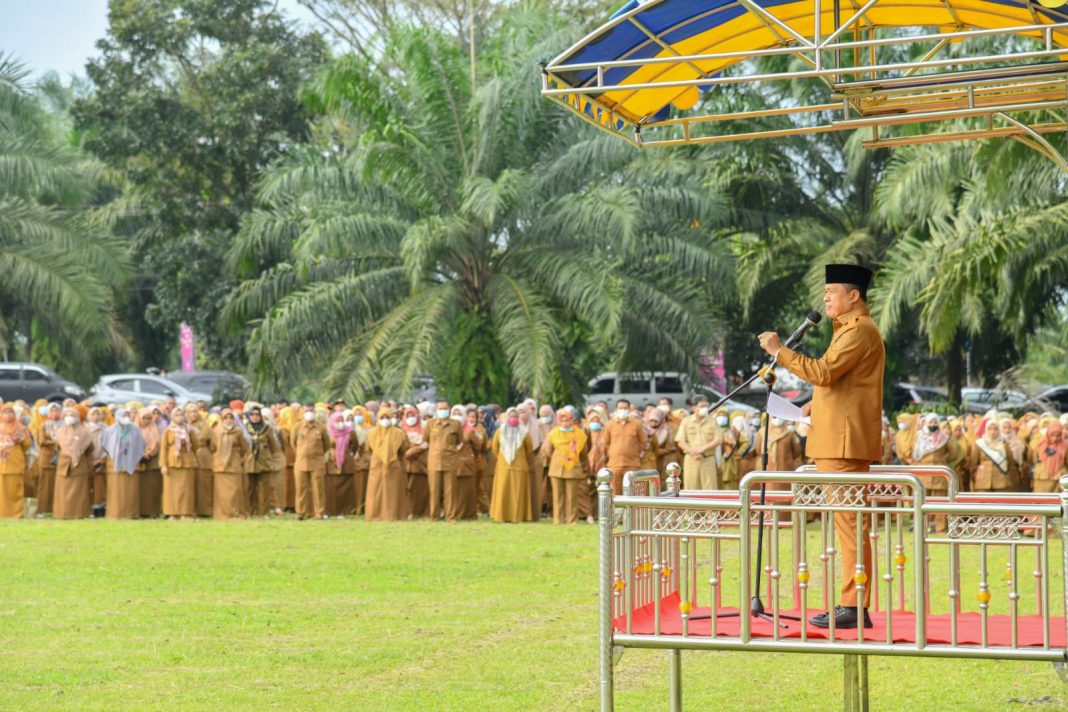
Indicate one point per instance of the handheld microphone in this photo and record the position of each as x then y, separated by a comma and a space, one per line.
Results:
811, 320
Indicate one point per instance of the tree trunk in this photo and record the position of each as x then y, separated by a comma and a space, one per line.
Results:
955, 369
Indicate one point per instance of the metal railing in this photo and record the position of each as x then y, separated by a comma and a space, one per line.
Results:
672, 564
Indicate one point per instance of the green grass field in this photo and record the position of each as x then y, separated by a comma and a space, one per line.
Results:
350, 615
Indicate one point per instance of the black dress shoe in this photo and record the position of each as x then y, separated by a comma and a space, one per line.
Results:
845, 618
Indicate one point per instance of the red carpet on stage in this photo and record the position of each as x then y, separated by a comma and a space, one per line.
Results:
969, 627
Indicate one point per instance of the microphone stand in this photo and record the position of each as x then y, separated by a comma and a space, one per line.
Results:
756, 606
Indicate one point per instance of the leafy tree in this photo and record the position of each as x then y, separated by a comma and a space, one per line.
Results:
192, 99
432, 210
60, 267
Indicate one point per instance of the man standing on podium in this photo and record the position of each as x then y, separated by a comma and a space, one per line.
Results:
846, 412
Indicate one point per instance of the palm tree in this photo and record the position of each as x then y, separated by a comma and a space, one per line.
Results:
60, 268
983, 248
434, 213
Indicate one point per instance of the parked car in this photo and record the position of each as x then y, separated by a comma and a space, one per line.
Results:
906, 394
224, 386
142, 387
1056, 397
639, 387
32, 381
980, 400
731, 405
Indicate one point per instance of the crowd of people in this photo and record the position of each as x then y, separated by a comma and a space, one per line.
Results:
390, 461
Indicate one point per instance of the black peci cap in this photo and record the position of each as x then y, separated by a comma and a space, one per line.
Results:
848, 274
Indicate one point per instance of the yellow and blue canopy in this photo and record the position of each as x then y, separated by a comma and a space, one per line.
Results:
685, 28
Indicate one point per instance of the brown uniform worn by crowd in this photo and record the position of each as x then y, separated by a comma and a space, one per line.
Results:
696, 433
262, 465
178, 455
624, 441
510, 501
74, 468
46, 465
444, 436
387, 483
150, 481
312, 445
567, 475
205, 472
14, 444
846, 420
465, 499
230, 495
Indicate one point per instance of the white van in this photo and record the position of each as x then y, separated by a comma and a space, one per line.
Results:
639, 387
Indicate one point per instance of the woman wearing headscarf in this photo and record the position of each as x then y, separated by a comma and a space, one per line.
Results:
205, 485
362, 422
340, 467
596, 458
178, 465
933, 446
905, 437
1017, 447
465, 498
124, 446
15, 441
415, 459
229, 448
563, 448
481, 494
74, 467
993, 467
98, 486
48, 457
1050, 466
387, 484
514, 451
287, 420
260, 461
276, 497
150, 479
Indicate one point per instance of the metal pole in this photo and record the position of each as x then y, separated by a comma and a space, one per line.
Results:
604, 510
675, 679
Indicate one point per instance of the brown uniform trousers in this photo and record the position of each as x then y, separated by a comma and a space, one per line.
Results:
845, 526
444, 436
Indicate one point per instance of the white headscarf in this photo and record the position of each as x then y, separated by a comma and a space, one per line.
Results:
926, 441
511, 438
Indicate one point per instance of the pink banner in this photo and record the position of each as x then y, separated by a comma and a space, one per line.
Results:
188, 346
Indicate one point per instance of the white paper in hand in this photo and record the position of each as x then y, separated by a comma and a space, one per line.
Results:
779, 407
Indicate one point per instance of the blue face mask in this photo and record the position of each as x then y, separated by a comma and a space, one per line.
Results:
568, 429
359, 419
595, 426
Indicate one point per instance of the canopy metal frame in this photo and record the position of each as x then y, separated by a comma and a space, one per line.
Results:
1020, 93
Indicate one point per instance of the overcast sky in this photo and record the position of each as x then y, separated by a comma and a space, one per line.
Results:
60, 34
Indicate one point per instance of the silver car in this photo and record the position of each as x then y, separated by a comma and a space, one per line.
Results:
142, 387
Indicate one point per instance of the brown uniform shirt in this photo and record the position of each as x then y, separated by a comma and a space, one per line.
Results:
443, 435
311, 443
848, 399
624, 441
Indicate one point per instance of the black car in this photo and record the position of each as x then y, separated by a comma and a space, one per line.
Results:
30, 381
223, 386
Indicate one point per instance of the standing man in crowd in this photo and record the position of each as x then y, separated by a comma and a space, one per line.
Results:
311, 444
445, 438
698, 437
846, 410
624, 442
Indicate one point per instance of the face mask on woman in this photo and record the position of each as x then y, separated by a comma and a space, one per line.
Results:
359, 419
513, 422
411, 420
125, 420
547, 419
43, 410
932, 428
385, 422
70, 420
595, 426
721, 421
902, 426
